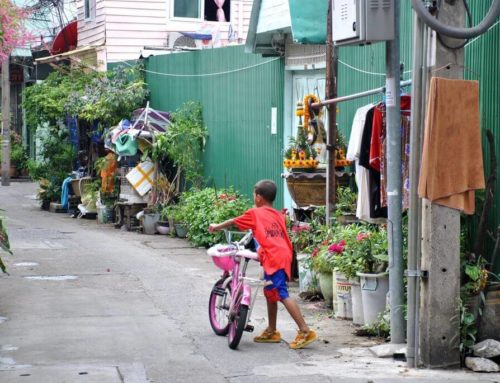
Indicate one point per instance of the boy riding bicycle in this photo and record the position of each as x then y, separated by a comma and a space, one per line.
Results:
275, 252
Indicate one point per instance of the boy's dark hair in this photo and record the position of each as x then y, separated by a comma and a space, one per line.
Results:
266, 189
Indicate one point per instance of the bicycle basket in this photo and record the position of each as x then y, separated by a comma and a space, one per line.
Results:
222, 256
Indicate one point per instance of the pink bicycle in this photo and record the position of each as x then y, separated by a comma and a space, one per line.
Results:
231, 300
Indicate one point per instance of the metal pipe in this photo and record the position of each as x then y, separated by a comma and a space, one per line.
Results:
425, 85
413, 211
331, 92
393, 171
5, 166
356, 95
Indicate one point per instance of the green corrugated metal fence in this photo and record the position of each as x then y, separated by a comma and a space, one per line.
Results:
482, 60
236, 110
482, 63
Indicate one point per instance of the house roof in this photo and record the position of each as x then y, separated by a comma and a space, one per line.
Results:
272, 19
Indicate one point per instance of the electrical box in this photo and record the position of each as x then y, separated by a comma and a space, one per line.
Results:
357, 22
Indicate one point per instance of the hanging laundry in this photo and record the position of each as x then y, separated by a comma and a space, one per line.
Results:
378, 158
376, 210
353, 154
452, 158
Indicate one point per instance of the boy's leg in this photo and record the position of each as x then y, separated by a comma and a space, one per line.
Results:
272, 314
294, 311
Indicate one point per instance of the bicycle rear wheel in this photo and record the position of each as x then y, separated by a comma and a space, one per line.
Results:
237, 326
218, 307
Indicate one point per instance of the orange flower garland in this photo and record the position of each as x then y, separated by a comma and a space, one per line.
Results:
307, 112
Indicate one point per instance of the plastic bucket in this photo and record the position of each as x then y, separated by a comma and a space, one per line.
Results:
374, 289
357, 304
149, 223
308, 281
343, 297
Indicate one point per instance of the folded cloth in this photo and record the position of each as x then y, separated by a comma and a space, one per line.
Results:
452, 157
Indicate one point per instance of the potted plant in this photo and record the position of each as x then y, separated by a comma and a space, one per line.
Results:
374, 278
324, 264
346, 205
163, 226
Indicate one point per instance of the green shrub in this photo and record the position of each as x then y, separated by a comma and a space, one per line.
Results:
198, 208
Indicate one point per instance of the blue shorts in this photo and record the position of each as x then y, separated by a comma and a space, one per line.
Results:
279, 289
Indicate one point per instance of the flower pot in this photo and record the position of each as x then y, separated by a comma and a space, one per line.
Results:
342, 296
181, 230
326, 286
12, 171
105, 214
163, 227
374, 289
308, 280
357, 303
149, 223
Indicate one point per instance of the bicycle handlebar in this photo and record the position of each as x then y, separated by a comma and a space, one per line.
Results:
245, 240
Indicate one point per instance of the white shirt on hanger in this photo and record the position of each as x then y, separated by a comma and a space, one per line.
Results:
362, 174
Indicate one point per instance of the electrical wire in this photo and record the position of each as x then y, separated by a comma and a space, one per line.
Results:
204, 74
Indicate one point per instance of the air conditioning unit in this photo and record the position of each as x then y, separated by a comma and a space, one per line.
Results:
179, 41
362, 21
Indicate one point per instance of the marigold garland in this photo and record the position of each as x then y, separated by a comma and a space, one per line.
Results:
307, 111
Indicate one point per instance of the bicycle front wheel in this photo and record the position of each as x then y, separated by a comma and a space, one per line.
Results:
218, 307
237, 326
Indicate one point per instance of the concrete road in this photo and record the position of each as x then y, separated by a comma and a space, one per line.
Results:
89, 303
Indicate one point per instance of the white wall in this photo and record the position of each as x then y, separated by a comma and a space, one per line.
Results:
92, 31
126, 26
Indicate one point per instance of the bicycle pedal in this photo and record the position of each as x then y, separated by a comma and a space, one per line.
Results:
249, 328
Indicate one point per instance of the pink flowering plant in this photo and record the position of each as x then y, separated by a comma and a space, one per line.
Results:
12, 30
354, 248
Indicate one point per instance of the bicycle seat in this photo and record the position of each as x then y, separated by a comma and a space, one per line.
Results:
245, 253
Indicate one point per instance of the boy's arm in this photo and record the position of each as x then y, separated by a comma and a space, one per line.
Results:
219, 226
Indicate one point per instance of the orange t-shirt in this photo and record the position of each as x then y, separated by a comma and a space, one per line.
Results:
269, 229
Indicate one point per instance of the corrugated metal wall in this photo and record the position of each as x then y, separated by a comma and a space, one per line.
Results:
482, 62
236, 110
363, 67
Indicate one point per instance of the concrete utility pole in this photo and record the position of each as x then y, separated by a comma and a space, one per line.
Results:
5, 122
331, 92
439, 310
394, 205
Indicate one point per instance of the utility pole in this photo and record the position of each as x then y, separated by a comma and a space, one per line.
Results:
5, 122
331, 92
394, 191
439, 309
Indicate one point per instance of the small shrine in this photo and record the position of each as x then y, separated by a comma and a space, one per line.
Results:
306, 156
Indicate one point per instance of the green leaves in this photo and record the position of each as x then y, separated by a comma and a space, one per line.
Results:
198, 208
104, 96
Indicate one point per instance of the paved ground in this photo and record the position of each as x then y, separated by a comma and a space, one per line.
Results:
125, 307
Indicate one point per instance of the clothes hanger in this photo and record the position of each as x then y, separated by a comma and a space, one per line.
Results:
450, 66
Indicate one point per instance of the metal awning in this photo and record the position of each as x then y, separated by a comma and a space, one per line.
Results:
304, 20
309, 21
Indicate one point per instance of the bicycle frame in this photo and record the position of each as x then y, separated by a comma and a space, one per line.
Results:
234, 283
